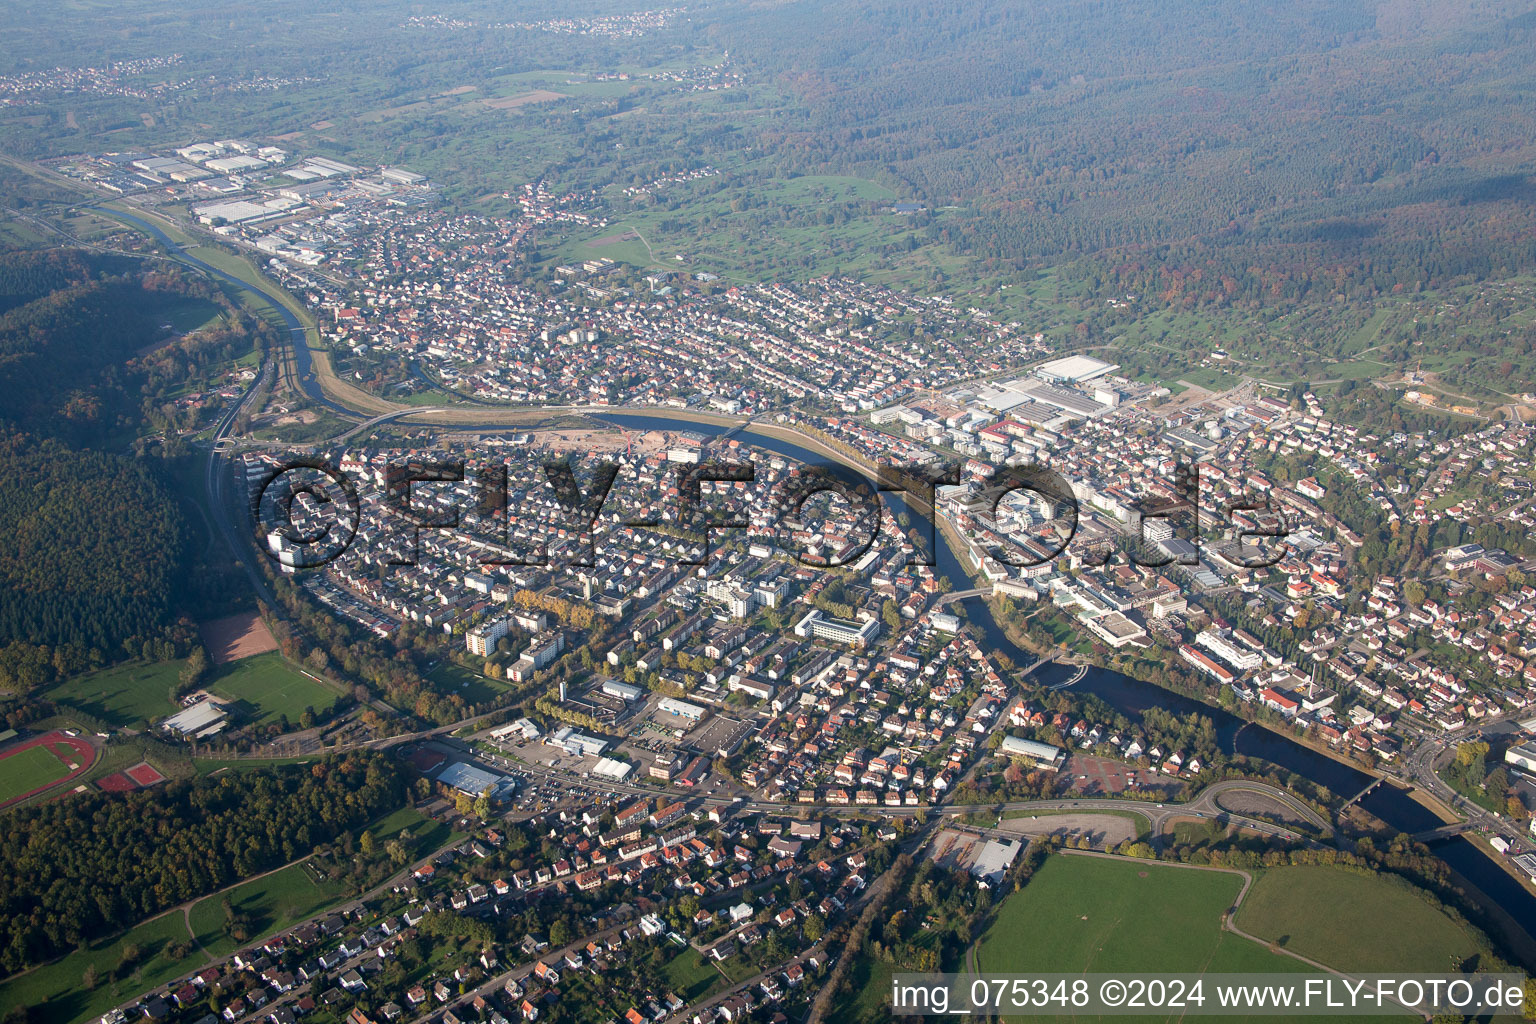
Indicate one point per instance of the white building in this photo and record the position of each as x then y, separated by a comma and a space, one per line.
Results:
482, 640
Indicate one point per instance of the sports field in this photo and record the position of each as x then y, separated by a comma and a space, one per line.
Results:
40, 763
126, 696
271, 687
136, 695
1389, 926
27, 770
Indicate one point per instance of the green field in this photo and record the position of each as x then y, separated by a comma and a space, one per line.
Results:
449, 678
136, 695
1092, 914
722, 225
57, 992
25, 771
271, 687
691, 976
1095, 914
188, 315
271, 903
426, 833
125, 697
1298, 908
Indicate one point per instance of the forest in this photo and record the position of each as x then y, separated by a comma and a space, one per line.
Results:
97, 541
94, 545
89, 866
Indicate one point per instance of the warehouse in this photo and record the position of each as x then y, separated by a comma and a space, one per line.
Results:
624, 691
682, 709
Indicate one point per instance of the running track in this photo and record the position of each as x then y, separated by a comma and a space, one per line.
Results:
85, 754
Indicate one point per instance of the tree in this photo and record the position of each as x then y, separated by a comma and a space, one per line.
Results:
90, 977
192, 672
1497, 782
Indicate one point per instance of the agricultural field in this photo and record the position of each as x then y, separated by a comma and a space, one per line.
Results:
1091, 914
747, 229
1296, 907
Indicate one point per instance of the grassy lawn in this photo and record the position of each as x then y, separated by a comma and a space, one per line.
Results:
25, 771
691, 976
127, 696
426, 833
271, 687
135, 695
473, 687
57, 992
271, 904
1090, 914
189, 315
738, 968
1389, 927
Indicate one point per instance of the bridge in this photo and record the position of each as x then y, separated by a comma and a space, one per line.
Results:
961, 595
1039, 662
245, 443
1455, 828
1360, 795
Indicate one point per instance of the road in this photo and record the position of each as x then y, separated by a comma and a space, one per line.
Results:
1421, 768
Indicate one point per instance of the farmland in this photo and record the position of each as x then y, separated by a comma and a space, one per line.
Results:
1295, 907
1089, 914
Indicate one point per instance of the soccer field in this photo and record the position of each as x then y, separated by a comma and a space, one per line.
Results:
271, 687
29, 769
126, 696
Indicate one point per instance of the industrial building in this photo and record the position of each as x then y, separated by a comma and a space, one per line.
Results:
682, 709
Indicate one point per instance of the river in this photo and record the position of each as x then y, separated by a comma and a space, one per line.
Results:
1491, 884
